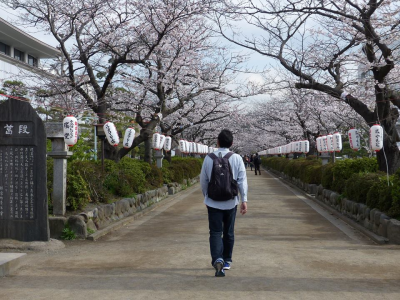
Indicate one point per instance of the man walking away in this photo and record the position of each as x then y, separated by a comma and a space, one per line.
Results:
222, 201
257, 163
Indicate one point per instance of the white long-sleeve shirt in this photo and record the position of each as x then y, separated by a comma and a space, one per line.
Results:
238, 172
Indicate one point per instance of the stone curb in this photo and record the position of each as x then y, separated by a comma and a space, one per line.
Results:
369, 234
10, 262
118, 224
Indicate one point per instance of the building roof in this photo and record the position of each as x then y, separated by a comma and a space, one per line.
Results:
13, 36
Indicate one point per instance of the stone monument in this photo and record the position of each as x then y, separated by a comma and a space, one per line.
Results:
23, 190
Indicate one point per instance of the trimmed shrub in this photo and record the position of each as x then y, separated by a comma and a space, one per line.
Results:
343, 170
86, 182
327, 175
276, 163
380, 195
78, 194
358, 186
92, 173
312, 174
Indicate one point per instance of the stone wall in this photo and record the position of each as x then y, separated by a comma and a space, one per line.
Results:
105, 214
371, 219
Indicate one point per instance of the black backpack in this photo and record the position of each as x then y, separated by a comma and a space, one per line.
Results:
222, 186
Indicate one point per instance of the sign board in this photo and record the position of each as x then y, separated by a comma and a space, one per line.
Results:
23, 188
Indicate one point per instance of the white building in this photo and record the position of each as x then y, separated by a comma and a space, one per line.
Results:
20, 51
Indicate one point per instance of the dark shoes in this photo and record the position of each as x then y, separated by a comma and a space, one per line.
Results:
227, 265
219, 268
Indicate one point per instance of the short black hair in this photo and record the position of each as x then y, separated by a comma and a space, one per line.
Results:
225, 138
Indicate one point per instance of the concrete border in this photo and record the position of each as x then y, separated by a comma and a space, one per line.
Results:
10, 262
369, 234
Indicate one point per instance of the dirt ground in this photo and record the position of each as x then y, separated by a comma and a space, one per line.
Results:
284, 249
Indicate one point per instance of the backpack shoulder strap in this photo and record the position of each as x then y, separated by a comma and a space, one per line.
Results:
212, 156
228, 155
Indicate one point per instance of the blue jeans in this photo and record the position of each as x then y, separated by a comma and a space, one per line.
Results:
221, 224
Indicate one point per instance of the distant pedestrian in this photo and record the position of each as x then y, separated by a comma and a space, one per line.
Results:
222, 201
246, 161
257, 163
251, 162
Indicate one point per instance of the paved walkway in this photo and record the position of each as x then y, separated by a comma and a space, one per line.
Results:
284, 250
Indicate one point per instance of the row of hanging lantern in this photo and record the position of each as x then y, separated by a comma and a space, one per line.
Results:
195, 148
329, 143
293, 147
70, 126
333, 142
161, 141
325, 143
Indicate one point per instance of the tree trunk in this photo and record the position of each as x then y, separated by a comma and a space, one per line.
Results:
148, 151
392, 161
167, 156
110, 152
389, 157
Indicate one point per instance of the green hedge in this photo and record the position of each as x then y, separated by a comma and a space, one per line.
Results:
356, 179
308, 169
86, 182
359, 184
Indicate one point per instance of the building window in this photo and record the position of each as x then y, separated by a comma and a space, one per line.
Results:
4, 48
32, 61
18, 54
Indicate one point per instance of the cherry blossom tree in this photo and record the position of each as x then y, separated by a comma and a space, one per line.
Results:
346, 50
98, 39
299, 115
188, 80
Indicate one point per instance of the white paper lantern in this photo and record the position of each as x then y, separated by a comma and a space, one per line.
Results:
182, 146
354, 139
319, 144
324, 143
376, 137
306, 146
162, 141
111, 133
301, 147
129, 136
337, 142
187, 146
70, 126
167, 143
296, 146
156, 141
329, 139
